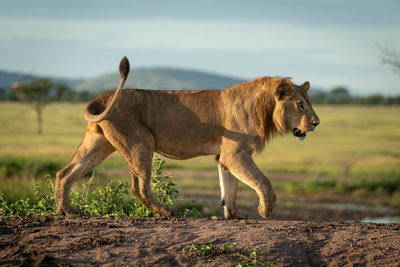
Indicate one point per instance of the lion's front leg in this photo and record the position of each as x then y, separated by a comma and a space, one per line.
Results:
242, 166
229, 185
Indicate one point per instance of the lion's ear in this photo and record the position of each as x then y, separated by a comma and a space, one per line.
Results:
306, 86
284, 91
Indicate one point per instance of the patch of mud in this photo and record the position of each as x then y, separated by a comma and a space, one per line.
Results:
60, 241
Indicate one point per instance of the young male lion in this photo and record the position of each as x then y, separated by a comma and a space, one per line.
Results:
231, 124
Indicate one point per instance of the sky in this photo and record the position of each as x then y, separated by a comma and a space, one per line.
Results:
329, 43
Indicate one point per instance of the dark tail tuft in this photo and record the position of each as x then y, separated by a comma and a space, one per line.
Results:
124, 68
92, 110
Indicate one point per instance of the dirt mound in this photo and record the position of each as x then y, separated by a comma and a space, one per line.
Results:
87, 241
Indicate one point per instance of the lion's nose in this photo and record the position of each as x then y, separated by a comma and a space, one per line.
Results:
315, 123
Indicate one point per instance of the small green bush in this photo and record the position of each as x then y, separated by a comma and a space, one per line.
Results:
41, 203
208, 250
113, 199
163, 185
254, 260
192, 212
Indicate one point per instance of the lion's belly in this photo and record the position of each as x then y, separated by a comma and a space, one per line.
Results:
186, 151
184, 138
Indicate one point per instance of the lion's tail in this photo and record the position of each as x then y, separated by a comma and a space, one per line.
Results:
91, 112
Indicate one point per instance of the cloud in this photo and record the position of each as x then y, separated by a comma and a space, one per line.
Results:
316, 41
306, 12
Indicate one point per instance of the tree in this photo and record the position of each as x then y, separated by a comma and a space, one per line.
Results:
340, 95
83, 96
63, 92
390, 56
39, 93
3, 93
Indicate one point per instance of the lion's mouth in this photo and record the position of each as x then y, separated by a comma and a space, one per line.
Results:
299, 134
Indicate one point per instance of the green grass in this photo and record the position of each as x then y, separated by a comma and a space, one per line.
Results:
359, 138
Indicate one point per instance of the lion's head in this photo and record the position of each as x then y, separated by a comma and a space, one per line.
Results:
293, 110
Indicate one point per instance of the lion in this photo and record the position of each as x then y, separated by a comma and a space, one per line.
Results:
231, 124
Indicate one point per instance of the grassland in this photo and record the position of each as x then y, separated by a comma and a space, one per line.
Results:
349, 138
351, 142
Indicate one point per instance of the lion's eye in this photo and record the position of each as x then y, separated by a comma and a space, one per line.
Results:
300, 105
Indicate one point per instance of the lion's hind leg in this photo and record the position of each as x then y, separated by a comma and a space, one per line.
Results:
229, 185
137, 148
141, 189
93, 149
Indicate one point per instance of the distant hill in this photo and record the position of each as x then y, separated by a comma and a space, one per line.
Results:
7, 78
144, 78
161, 78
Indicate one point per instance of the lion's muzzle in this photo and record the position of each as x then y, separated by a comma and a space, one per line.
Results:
299, 134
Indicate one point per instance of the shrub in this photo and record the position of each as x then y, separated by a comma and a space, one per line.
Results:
41, 203
110, 200
208, 250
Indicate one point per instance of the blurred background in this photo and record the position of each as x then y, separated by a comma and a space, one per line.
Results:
57, 56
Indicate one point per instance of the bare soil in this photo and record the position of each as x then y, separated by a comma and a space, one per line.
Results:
87, 241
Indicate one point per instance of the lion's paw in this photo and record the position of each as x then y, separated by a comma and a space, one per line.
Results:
265, 210
168, 212
265, 207
234, 214
241, 215
68, 210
